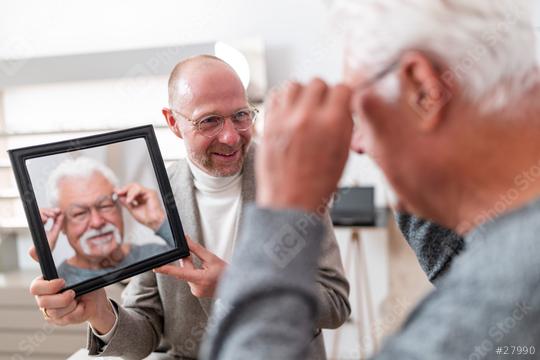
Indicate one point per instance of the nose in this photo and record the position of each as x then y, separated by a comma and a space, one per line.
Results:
96, 220
357, 142
229, 135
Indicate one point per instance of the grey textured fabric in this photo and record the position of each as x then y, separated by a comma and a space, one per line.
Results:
268, 313
74, 275
160, 311
434, 245
489, 297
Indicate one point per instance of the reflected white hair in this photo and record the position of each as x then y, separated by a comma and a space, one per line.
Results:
81, 167
489, 45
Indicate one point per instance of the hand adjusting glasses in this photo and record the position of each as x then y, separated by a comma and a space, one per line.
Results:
211, 125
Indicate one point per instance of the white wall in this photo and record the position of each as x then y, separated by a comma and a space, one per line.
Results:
298, 37
537, 22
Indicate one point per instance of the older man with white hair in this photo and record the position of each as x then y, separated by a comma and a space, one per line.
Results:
87, 204
444, 96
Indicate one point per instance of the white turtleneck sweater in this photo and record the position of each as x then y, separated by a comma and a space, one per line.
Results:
219, 200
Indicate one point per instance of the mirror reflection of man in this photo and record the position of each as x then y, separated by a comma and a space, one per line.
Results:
209, 110
87, 208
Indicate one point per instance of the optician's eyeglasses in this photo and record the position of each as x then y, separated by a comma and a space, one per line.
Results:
211, 125
81, 214
372, 81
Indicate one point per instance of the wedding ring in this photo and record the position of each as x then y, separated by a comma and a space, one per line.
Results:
44, 312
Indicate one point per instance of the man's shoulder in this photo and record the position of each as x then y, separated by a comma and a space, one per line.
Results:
67, 268
73, 274
177, 168
502, 253
142, 251
63, 268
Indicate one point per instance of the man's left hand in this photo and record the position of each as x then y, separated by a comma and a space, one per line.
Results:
143, 204
203, 282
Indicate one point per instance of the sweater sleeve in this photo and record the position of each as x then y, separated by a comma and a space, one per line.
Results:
267, 300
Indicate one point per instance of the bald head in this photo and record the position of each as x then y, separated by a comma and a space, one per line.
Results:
194, 70
205, 87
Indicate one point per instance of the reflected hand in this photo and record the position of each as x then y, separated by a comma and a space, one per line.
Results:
304, 147
202, 282
143, 204
52, 235
64, 309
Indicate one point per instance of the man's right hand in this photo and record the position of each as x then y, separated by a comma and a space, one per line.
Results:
57, 217
64, 309
304, 147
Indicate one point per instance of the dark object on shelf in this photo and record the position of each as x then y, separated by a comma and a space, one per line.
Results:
354, 206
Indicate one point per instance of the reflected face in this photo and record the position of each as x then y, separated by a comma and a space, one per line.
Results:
94, 225
213, 90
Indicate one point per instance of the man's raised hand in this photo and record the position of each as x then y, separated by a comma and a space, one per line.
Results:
305, 145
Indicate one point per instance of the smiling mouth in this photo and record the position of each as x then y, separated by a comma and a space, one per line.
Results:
101, 239
227, 155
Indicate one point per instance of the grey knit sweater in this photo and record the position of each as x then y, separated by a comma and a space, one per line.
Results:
488, 298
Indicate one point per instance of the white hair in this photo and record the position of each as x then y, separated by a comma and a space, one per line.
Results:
489, 45
81, 167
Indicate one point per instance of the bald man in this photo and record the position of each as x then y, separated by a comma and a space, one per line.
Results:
167, 310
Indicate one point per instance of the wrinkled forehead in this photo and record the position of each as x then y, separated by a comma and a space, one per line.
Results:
81, 190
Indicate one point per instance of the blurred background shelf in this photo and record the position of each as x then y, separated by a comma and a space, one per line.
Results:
24, 334
23, 330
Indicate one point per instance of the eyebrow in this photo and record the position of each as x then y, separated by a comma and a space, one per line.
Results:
99, 199
214, 113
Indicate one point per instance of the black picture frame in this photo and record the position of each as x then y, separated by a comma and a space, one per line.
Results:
18, 158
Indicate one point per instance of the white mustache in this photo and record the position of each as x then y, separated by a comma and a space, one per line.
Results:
90, 233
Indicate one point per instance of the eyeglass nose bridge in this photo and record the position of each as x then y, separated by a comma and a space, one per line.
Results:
94, 211
221, 125
89, 213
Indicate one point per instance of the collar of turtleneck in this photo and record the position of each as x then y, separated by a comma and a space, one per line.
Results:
212, 184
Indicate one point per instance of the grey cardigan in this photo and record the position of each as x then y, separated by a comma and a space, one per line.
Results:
160, 311
488, 298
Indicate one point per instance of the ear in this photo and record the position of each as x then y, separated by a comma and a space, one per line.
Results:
424, 89
171, 122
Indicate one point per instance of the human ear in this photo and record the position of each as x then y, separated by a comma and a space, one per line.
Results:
424, 89
171, 122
